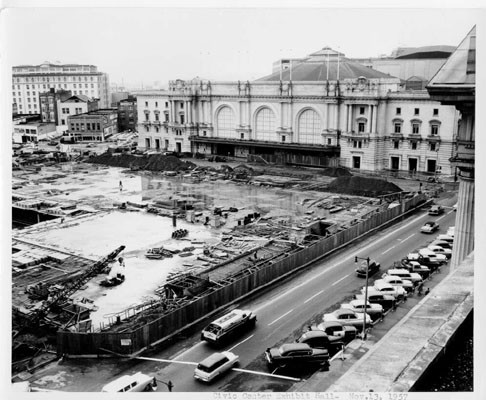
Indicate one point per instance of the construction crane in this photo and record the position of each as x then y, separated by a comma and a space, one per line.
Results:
71, 287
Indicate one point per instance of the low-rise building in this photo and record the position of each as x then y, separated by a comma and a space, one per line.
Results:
28, 129
77, 104
127, 114
49, 103
93, 126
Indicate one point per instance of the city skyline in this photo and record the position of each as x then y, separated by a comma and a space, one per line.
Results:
188, 42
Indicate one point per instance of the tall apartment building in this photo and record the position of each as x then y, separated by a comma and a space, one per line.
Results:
28, 81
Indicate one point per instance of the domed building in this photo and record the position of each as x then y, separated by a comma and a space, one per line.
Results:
320, 110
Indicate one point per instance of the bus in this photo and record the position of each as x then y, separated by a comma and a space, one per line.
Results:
228, 326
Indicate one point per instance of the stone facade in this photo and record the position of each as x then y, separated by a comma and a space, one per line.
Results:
363, 123
94, 126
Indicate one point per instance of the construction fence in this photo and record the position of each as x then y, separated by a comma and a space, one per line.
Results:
265, 273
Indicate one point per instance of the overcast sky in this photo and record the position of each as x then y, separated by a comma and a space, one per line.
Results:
143, 45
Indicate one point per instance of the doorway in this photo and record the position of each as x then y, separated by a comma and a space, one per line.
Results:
147, 143
395, 162
412, 164
157, 144
357, 162
178, 147
431, 166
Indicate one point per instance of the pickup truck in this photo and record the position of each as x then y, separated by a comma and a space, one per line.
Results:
416, 267
290, 354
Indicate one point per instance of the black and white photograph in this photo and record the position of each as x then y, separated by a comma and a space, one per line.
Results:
245, 201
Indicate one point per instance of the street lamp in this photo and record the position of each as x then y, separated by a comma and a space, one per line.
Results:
367, 259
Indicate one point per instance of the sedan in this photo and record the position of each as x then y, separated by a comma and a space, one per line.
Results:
433, 255
442, 243
336, 329
381, 287
441, 250
296, 354
318, 339
373, 267
397, 282
348, 317
215, 365
429, 227
375, 311
384, 300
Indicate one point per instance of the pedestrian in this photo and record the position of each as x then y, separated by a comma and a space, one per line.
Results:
121, 186
427, 291
420, 288
170, 385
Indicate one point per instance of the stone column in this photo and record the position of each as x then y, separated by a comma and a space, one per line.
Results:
370, 119
375, 118
464, 226
327, 116
350, 118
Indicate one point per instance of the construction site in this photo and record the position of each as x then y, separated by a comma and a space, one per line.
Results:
119, 259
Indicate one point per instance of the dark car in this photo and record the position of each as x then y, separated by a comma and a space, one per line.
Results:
436, 210
425, 261
385, 300
217, 158
318, 339
296, 354
415, 266
373, 268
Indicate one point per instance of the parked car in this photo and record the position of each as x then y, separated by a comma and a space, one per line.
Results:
348, 317
385, 300
454, 207
396, 281
335, 328
373, 267
215, 365
416, 267
375, 311
137, 382
429, 227
440, 250
296, 354
217, 158
398, 292
318, 339
433, 264
446, 238
450, 231
406, 275
442, 243
433, 255
436, 210
52, 143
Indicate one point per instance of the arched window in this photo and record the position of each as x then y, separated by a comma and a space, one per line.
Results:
265, 125
309, 127
226, 123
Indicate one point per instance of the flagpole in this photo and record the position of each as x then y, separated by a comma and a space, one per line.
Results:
290, 74
327, 74
338, 67
281, 68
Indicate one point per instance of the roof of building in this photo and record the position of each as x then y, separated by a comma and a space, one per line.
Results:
101, 111
315, 69
80, 97
460, 68
439, 51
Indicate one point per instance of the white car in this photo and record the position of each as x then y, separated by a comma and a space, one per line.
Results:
131, 383
396, 281
446, 238
405, 274
215, 365
375, 311
440, 250
347, 317
433, 255
398, 292
450, 231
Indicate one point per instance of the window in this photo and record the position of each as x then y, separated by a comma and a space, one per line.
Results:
396, 144
399, 111
357, 144
166, 104
98, 127
434, 129
416, 128
182, 118
156, 104
146, 116
414, 145
146, 104
361, 110
74, 85
361, 127
398, 127
329, 141
157, 129
225, 123
146, 129
182, 104
63, 122
309, 127
416, 111
242, 135
433, 146
436, 112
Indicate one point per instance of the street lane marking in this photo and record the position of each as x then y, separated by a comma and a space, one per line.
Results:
165, 360
288, 312
310, 298
243, 341
408, 237
339, 280
327, 270
445, 215
189, 350
290, 378
391, 248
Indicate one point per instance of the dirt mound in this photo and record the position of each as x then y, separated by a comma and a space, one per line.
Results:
361, 186
336, 172
153, 162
